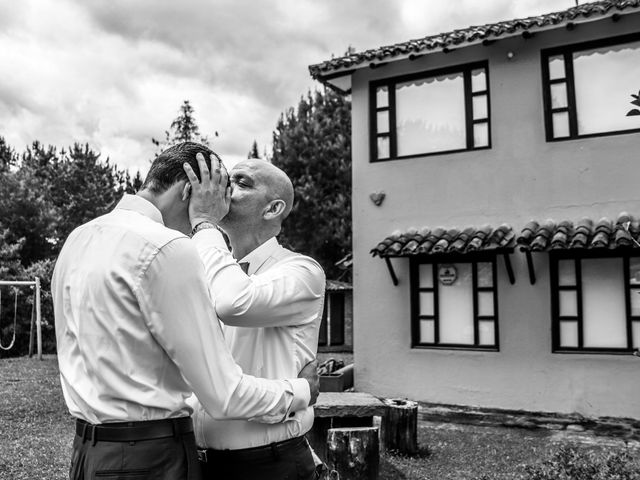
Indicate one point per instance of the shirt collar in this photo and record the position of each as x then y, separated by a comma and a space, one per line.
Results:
138, 204
260, 255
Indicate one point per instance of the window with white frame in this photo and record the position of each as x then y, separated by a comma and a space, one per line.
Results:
596, 303
592, 89
455, 304
428, 113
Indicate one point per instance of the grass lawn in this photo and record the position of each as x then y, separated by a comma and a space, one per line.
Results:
36, 432
36, 427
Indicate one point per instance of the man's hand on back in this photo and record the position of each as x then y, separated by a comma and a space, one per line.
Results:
310, 374
211, 196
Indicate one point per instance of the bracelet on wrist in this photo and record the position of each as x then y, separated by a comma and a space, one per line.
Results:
201, 226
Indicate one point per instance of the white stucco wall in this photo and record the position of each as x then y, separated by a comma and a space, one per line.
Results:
521, 177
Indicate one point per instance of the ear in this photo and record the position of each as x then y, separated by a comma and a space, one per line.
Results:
274, 209
186, 191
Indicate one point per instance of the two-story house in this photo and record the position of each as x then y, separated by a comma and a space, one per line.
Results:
494, 263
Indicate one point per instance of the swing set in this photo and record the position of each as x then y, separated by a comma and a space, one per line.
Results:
35, 314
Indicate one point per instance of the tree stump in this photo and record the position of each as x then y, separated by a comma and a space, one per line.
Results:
353, 452
400, 426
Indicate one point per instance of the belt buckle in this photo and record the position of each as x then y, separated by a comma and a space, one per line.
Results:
202, 456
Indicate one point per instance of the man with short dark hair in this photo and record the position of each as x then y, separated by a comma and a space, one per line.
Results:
270, 300
137, 332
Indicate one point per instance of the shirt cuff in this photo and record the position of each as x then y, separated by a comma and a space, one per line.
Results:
211, 236
301, 396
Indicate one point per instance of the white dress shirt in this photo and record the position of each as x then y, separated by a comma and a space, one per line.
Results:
272, 319
137, 331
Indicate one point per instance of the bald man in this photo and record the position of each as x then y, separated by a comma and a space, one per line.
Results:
270, 301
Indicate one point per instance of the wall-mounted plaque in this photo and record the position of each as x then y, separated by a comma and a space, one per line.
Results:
447, 274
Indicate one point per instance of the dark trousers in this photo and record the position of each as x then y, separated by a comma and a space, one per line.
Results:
169, 458
263, 463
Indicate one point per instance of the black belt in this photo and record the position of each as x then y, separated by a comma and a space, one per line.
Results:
133, 431
265, 452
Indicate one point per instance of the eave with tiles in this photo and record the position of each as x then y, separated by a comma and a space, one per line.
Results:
441, 241
585, 234
486, 34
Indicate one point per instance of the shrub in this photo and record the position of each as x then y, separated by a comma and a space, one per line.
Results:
573, 463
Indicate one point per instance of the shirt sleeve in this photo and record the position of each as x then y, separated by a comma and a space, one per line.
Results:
286, 295
179, 312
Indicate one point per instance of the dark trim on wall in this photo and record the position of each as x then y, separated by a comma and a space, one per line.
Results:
391, 83
416, 289
567, 51
556, 319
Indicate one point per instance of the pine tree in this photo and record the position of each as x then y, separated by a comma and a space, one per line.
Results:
312, 144
253, 153
183, 129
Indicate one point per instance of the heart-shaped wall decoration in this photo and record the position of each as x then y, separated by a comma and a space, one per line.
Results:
377, 198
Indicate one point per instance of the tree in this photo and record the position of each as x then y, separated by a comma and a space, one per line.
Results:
313, 146
253, 153
130, 185
26, 212
46, 193
183, 129
86, 188
8, 157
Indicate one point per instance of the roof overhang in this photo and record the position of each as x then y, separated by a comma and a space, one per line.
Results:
441, 243
336, 73
585, 235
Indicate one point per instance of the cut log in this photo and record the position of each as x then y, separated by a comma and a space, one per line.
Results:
353, 452
400, 426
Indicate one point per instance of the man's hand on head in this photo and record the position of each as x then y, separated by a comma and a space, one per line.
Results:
310, 374
210, 196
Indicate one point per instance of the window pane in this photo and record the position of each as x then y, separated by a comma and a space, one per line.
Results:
456, 308
430, 115
487, 334
558, 95
485, 304
485, 274
635, 331
481, 135
634, 270
556, 68
567, 273
426, 275
604, 316
382, 97
568, 303
383, 147
635, 302
568, 334
382, 122
605, 78
480, 110
427, 331
560, 124
426, 303
478, 80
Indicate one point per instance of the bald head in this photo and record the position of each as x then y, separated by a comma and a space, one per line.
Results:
277, 184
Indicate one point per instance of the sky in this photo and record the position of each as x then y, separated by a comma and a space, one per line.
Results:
113, 73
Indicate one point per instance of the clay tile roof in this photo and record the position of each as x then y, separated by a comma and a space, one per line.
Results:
470, 35
440, 240
624, 232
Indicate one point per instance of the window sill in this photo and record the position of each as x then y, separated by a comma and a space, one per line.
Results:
603, 351
470, 348
420, 155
